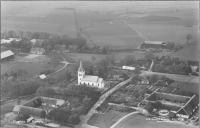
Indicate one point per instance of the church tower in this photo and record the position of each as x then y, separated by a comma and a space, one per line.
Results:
81, 73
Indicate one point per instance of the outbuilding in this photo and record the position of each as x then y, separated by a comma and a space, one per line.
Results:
7, 55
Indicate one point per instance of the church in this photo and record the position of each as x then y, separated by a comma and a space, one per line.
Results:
93, 81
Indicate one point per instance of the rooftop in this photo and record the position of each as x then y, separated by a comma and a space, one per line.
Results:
6, 54
90, 78
153, 42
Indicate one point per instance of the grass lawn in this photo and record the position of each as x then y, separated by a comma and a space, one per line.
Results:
8, 107
105, 120
139, 121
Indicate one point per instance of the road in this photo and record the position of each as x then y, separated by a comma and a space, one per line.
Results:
84, 121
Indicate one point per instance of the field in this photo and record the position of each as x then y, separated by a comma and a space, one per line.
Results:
32, 68
144, 21
106, 120
139, 121
52, 21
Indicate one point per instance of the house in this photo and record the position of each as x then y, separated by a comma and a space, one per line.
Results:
183, 106
152, 44
73, 48
42, 76
7, 55
37, 51
8, 41
93, 81
47, 104
128, 68
52, 102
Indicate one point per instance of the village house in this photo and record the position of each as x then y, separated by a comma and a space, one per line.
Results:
93, 81
8, 41
72, 48
47, 104
182, 106
37, 51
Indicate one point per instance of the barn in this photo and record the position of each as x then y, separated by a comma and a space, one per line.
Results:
152, 44
7, 55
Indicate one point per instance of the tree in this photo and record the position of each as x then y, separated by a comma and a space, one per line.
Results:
157, 105
188, 37
18, 101
149, 107
55, 58
93, 59
135, 78
43, 114
74, 119
153, 78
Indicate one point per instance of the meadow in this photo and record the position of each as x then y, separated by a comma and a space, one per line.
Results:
32, 68
158, 23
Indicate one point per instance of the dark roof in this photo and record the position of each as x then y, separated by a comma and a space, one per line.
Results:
189, 87
189, 106
168, 97
188, 53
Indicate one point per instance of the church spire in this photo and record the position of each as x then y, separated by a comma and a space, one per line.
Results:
80, 67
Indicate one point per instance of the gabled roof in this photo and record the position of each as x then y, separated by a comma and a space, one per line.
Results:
90, 78
154, 42
6, 54
16, 108
38, 49
189, 106
100, 80
42, 76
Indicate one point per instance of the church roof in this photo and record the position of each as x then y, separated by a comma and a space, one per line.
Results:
80, 67
100, 80
90, 78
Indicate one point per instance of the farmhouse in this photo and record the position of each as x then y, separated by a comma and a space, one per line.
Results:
152, 44
8, 41
37, 50
183, 106
7, 55
93, 81
35, 106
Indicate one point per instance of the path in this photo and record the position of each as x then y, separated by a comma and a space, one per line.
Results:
65, 62
126, 116
150, 68
137, 31
103, 97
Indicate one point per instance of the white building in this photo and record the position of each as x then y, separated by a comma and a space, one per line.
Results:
93, 81
128, 68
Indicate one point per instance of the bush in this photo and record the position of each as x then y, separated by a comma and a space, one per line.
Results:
194, 74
